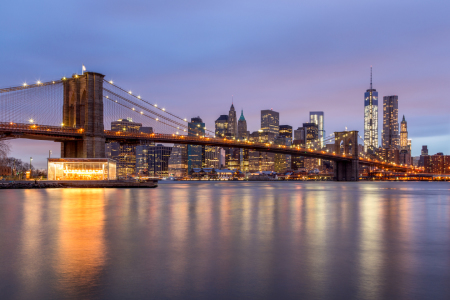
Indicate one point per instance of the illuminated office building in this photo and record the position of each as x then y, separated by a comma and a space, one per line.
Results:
390, 134
221, 125
196, 152
123, 153
317, 117
286, 131
404, 135
311, 135
242, 127
282, 162
370, 118
300, 137
232, 122
405, 143
261, 161
153, 161
178, 161
270, 121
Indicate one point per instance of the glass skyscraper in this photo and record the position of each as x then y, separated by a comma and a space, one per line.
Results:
270, 121
317, 118
390, 123
196, 152
370, 118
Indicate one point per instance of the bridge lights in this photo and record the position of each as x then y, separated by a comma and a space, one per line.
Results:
164, 109
139, 97
25, 84
129, 92
38, 82
111, 82
142, 112
156, 105
156, 119
64, 78
31, 121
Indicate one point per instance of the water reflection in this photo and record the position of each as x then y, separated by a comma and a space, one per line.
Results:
81, 252
227, 240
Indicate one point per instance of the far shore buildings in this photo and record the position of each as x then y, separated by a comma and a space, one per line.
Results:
125, 154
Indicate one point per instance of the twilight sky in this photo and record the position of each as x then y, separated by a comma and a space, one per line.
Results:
294, 57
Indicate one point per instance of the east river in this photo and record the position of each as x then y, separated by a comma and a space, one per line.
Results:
228, 240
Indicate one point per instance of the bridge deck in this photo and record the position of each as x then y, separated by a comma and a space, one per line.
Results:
58, 133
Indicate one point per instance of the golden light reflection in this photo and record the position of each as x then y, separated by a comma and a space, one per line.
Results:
371, 250
81, 243
31, 241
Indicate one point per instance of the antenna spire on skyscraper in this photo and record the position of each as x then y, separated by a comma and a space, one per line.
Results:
370, 77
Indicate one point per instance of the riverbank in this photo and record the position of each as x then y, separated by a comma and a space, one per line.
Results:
77, 184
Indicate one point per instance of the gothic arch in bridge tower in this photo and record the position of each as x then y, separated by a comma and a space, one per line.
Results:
83, 109
346, 142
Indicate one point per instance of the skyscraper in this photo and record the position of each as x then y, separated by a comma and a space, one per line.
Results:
370, 117
153, 160
178, 161
390, 123
242, 127
232, 122
270, 121
196, 152
405, 144
286, 131
317, 117
221, 126
300, 136
311, 134
404, 134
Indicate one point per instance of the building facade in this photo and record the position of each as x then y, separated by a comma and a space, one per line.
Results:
390, 134
317, 117
232, 122
286, 131
178, 161
437, 164
242, 127
196, 152
221, 126
300, 137
270, 121
153, 161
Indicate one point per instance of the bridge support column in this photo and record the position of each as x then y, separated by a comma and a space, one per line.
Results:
346, 142
83, 109
346, 170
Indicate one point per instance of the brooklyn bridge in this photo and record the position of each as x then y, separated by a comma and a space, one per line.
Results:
77, 111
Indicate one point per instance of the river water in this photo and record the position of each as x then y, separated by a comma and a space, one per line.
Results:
228, 240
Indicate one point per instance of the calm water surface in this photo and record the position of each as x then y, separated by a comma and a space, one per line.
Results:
255, 240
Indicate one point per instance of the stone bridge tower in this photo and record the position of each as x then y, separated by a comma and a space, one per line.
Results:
83, 108
346, 142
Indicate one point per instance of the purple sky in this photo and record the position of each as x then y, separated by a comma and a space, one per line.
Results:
191, 56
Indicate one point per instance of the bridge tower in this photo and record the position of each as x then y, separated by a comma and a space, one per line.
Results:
83, 108
346, 142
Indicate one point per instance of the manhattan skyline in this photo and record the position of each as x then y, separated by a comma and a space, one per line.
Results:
289, 57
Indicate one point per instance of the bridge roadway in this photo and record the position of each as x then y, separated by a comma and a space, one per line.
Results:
61, 133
